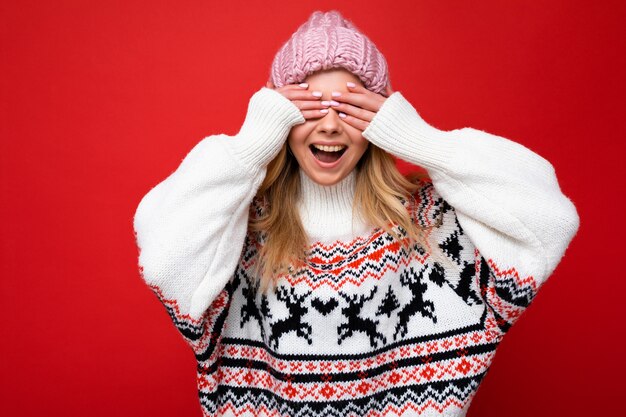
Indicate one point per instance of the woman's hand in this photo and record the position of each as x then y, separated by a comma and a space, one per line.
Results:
308, 103
359, 106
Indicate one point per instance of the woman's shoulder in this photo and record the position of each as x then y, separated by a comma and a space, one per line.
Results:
258, 207
256, 212
425, 204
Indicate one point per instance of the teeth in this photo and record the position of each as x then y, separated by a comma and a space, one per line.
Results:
324, 148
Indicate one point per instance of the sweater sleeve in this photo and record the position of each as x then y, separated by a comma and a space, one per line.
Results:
505, 198
191, 227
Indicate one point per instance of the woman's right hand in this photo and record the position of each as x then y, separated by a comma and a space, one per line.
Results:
303, 98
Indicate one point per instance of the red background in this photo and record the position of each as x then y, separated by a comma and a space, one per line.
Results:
101, 100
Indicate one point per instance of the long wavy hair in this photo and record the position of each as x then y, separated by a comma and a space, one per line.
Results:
380, 192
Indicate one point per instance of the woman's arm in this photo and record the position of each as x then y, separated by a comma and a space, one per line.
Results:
190, 228
506, 198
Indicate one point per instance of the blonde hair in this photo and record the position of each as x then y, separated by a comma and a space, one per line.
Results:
379, 195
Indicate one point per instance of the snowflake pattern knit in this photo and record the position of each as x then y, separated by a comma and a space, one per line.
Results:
366, 327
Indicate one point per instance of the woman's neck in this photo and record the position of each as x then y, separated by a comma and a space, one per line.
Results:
326, 211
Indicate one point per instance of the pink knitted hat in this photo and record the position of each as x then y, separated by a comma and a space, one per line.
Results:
328, 40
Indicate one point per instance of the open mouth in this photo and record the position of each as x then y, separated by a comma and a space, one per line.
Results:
328, 154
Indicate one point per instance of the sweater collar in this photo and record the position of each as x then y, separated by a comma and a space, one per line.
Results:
326, 211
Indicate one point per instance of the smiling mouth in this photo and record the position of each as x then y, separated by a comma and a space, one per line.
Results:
328, 154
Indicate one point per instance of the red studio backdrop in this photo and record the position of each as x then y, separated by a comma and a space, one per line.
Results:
101, 100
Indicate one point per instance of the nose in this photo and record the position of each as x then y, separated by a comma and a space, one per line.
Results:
330, 123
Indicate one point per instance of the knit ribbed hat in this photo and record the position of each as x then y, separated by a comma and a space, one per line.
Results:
327, 40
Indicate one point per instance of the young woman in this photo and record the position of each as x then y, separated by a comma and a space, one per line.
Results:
310, 278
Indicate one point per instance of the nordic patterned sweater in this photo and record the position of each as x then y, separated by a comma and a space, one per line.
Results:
365, 328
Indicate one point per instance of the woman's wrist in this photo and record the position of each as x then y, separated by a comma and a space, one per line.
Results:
269, 119
400, 130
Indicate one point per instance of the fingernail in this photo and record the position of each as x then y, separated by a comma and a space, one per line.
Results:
326, 103
317, 93
350, 84
304, 85
342, 115
333, 103
336, 94
324, 111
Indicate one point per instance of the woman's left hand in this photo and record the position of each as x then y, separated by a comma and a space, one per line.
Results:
359, 105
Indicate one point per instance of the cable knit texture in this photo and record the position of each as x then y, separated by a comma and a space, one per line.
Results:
328, 40
364, 328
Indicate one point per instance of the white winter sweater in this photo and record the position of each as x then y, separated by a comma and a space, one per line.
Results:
365, 328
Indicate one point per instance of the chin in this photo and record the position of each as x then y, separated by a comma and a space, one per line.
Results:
326, 183
326, 179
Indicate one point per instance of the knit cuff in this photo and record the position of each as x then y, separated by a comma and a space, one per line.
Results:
398, 129
268, 121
